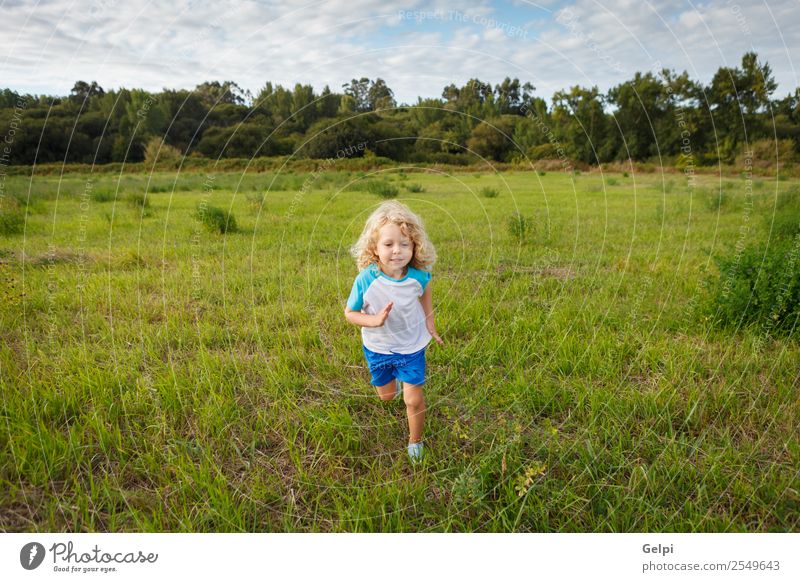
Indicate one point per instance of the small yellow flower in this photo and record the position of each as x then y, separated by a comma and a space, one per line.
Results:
525, 481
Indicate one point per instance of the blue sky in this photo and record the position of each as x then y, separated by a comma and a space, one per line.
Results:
416, 47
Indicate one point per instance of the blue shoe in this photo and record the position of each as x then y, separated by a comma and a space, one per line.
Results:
415, 452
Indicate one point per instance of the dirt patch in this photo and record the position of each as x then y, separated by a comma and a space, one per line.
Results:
55, 257
562, 273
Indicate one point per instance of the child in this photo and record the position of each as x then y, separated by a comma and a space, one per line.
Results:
392, 301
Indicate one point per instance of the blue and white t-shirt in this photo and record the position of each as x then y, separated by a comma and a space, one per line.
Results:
404, 331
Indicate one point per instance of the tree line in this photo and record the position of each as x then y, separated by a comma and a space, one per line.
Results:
660, 114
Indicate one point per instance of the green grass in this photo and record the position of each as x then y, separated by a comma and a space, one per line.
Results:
159, 377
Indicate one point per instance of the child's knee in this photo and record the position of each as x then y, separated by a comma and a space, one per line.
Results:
387, 391
414, 398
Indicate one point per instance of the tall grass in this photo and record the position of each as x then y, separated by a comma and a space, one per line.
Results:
12, 218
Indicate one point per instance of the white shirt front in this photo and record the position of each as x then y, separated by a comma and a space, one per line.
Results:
404, 331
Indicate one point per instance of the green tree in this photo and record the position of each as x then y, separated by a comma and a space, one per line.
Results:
305, 112
427, 112
358, 89
528, 132
511, 97
8, 99
641, 106
213, 93
736, 97
241, 141
328, 103
493, 138
82, 90
185, 114
582, 125
380, 96
787, 118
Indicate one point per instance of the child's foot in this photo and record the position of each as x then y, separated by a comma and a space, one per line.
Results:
415, 452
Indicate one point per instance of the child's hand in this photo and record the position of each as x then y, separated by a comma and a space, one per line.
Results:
381, 316
432, 331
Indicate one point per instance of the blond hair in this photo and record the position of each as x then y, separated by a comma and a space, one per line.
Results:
365, 252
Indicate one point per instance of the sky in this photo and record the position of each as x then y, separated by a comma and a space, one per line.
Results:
416, 47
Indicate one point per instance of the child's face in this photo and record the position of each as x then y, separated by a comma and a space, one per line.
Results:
395, 250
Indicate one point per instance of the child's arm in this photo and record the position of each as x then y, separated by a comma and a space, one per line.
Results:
366, 320
427, 307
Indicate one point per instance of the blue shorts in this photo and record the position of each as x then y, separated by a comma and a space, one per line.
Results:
409, 368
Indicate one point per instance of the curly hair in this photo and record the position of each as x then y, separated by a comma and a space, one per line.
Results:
365, 252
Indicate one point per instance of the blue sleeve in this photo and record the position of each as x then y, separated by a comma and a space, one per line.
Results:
423, 277
360, 285
356, 299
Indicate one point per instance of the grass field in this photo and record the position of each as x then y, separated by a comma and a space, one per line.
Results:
159, 376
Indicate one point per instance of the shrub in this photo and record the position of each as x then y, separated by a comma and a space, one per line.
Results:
382, 188
766, 153
545, 151
216, 219
489, 192
415, 187
102, 196
519, 226
749, 292
157, 150
624, 174
612, 182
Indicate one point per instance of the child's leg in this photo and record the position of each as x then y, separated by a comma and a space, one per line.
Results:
388, 390
415, 408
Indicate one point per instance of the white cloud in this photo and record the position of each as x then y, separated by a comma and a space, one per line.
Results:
154, 45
